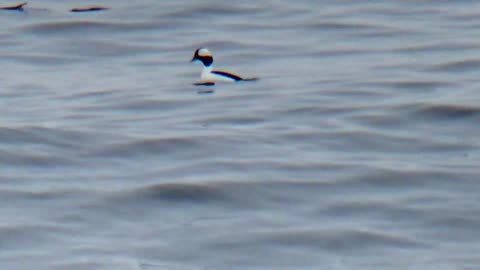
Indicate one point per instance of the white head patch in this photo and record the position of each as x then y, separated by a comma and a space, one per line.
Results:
204, 52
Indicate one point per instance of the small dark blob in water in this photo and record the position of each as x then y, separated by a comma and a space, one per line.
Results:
203, 92
18, 7
89, 9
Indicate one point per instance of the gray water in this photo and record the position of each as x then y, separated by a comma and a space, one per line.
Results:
358, 148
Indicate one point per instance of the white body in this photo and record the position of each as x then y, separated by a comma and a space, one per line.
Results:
208, 76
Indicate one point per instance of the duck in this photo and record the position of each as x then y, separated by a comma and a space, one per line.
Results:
209, 76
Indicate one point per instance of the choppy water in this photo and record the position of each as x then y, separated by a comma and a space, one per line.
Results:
358, 148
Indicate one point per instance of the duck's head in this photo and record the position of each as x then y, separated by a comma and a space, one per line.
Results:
203, 55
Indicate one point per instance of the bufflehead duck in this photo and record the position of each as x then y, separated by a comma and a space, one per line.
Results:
210, 76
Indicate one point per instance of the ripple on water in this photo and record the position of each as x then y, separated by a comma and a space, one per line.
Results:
415, 85
442, 112
42, 136
335, 240
219, 9
168, 147
437, 47
41, 59
468, 65
182, 193
83, 27
43, 147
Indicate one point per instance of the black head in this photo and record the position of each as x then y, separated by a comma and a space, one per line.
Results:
203, 55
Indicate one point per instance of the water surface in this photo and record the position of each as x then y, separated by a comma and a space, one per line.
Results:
357, 149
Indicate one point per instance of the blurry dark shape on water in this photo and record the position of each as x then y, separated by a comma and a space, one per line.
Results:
89, 9
18, 7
